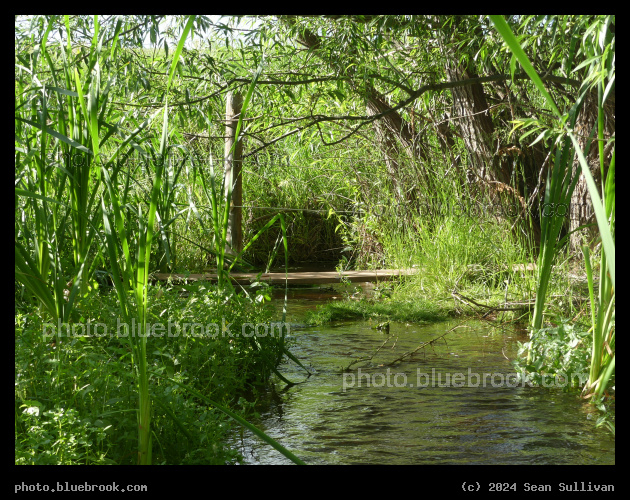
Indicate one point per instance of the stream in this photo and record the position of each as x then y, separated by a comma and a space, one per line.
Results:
450, 403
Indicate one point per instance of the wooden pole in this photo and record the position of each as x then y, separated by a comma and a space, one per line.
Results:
233, 176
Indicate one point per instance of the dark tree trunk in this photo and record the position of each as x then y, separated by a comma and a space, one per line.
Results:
491, 165
581, 210
396, 139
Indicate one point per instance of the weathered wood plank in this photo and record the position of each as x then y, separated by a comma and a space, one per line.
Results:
303, 278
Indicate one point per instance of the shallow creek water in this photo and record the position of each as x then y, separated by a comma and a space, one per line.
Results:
410, 413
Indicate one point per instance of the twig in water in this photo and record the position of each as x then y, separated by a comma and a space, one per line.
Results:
347, 368
424, 344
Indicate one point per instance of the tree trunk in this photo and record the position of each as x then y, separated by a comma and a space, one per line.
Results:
233, 177
581, 209
395, 136
491, 165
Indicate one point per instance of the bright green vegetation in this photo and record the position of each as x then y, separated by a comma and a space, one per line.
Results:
80, 394
452, 144
415, 310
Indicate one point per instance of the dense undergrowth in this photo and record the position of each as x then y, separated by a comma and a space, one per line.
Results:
75, 394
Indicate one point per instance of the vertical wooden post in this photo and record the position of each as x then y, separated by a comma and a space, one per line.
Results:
233, 176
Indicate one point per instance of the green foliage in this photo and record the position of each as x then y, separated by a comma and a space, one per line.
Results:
59, 437
556, 355
560, 185
415, 309
114, 149
87, 383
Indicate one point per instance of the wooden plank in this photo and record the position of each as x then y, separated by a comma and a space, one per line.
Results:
524, 267
306, 278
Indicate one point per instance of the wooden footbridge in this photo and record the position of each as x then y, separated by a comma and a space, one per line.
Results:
301, 278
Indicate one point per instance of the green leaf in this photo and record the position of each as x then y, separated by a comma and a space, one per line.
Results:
512, 66
57, 135
509, 38
270, 441
178, 51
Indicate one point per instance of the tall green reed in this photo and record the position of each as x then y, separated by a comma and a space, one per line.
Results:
602, 305
560, 185
55, 158
48, 194
133, 271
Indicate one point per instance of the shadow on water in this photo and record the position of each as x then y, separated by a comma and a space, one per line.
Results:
448, 404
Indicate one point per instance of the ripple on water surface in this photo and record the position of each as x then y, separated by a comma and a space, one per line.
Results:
400, 414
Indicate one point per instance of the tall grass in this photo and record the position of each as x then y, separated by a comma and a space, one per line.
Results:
41, 181
124, 275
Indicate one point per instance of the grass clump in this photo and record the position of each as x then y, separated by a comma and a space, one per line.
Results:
416, 310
